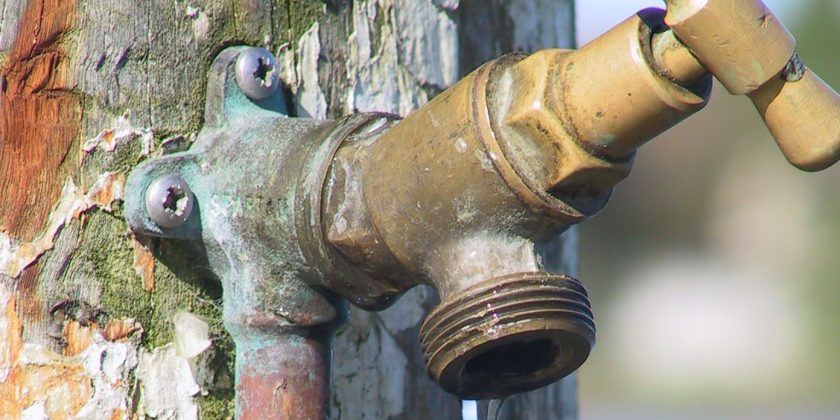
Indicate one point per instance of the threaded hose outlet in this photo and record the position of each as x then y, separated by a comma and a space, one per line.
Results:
509, 334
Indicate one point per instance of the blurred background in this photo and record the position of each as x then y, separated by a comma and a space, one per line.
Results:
713, 270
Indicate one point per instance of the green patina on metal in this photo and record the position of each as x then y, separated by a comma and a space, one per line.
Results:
262, 183
244, 170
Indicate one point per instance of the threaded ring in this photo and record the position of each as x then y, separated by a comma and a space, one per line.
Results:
508, 334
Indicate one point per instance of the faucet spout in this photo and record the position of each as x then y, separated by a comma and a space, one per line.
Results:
460, 194
504, 325
508, 334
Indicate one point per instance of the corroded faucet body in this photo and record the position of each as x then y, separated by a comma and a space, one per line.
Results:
295, 214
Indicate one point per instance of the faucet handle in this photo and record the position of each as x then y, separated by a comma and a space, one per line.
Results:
751, 53
803, 114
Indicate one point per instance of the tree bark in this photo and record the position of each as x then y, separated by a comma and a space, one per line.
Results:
94, 323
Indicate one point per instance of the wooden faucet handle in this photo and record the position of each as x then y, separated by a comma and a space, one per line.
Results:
751, 52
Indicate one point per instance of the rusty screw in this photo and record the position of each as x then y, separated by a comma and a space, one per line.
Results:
256, 73
169, 201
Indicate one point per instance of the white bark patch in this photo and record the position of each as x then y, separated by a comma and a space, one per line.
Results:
428, 42
10, 330
286, 59
37, 411
109, 365
533, 31
192, 11
311, 101
200, 24
398, 319
408, 55
375, 76
11, 12
447, 4
122, 132
168, 385
15, 257
378, 82
382, 366
94, 383
192, 335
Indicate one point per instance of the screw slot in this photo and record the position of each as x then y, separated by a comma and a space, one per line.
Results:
169, 201
264, 72
175, 201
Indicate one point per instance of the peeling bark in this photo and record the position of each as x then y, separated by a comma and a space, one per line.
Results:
91, 377
16, 257
144, 264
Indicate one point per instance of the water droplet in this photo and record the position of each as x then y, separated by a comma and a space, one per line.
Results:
489, 409
340, 224
461, 145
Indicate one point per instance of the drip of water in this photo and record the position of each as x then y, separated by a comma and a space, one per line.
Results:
489, 409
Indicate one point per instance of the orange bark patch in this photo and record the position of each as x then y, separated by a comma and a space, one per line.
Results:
63, 387
30, 304
78, 338
119, 329
72, 205
108, 189
144, 265
117, 414
39, 118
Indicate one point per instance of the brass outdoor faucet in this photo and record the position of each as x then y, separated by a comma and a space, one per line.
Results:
461, 194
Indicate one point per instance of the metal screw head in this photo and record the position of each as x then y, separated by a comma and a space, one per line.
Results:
169, 201
257, 73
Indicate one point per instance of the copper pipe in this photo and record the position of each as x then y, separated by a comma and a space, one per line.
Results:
804, 117
469, 224
283, 376
741, 42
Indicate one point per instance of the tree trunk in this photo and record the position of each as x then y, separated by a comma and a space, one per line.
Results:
94, 323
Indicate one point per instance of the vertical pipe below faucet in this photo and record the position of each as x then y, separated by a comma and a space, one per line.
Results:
282, 375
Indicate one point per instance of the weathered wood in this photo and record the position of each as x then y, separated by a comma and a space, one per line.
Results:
487, 30
39, 117
91, 87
